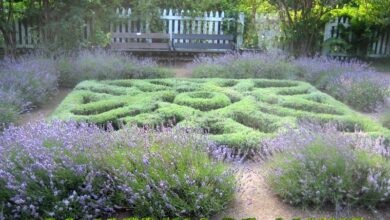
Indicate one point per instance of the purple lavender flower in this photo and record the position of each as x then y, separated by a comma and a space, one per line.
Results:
89, 171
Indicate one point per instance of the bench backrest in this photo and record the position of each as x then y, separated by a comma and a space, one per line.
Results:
178, 42
202, 42
141, 41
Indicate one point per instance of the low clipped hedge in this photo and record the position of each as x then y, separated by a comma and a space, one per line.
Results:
76, 170
204, 101
237, 113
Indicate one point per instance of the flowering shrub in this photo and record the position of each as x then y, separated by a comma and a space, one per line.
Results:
319, 70
25, 82
101, 64
315, 166
364, 91
77, 170
352, 82
245, 65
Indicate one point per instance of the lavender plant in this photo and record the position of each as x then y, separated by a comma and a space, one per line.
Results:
318, 166
245, 65
352, 82
365, 91
25, 83
77, 170
101, 64
319, 70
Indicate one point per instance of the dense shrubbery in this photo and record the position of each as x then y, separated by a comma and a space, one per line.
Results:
246, 65
25, 83
101, 64
352, 82
320, 166
237, 113
68, 169
361, 90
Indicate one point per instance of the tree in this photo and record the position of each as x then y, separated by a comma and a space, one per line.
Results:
10, 11
63, 22
303, 22
367, 18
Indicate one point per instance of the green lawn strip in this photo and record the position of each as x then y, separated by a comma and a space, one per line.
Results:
238, 113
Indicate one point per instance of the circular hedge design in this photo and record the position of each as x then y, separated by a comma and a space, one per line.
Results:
235, 112
204, 101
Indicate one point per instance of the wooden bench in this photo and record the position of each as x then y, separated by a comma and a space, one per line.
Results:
141, 42
202, 42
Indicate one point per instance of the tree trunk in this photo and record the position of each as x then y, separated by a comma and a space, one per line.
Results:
10, 43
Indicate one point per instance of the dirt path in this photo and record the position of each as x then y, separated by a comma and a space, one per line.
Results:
45, 110
254, 198
183, 72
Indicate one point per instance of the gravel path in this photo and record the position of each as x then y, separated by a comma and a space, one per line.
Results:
182, 72
45, 110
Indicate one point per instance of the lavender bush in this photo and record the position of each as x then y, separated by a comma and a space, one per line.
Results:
25, 83
101, 64
365, 91
319, 70
317, 165
245, 65
77, 170
352, 82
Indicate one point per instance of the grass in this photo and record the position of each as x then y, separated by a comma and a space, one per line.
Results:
237, 113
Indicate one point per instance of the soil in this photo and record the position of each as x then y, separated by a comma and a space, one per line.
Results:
46, 110
182, 72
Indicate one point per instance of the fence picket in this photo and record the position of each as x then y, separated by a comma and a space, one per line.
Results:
17, 32
170, 25
181, 25
176, 25
216, 25
193, 26
23, 34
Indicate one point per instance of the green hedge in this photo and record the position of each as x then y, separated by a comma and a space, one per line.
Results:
238, 113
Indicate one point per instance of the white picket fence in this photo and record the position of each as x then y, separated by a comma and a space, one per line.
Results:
174, 22
379, 47
26, 35
179, 22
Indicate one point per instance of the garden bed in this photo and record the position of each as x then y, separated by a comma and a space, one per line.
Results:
237, 113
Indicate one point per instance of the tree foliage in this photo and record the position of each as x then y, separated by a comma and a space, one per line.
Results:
303, 22
62, 22
367, 18
10, 10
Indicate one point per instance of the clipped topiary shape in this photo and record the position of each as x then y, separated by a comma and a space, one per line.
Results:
237, 113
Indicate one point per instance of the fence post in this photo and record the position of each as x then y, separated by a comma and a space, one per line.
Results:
240, 30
